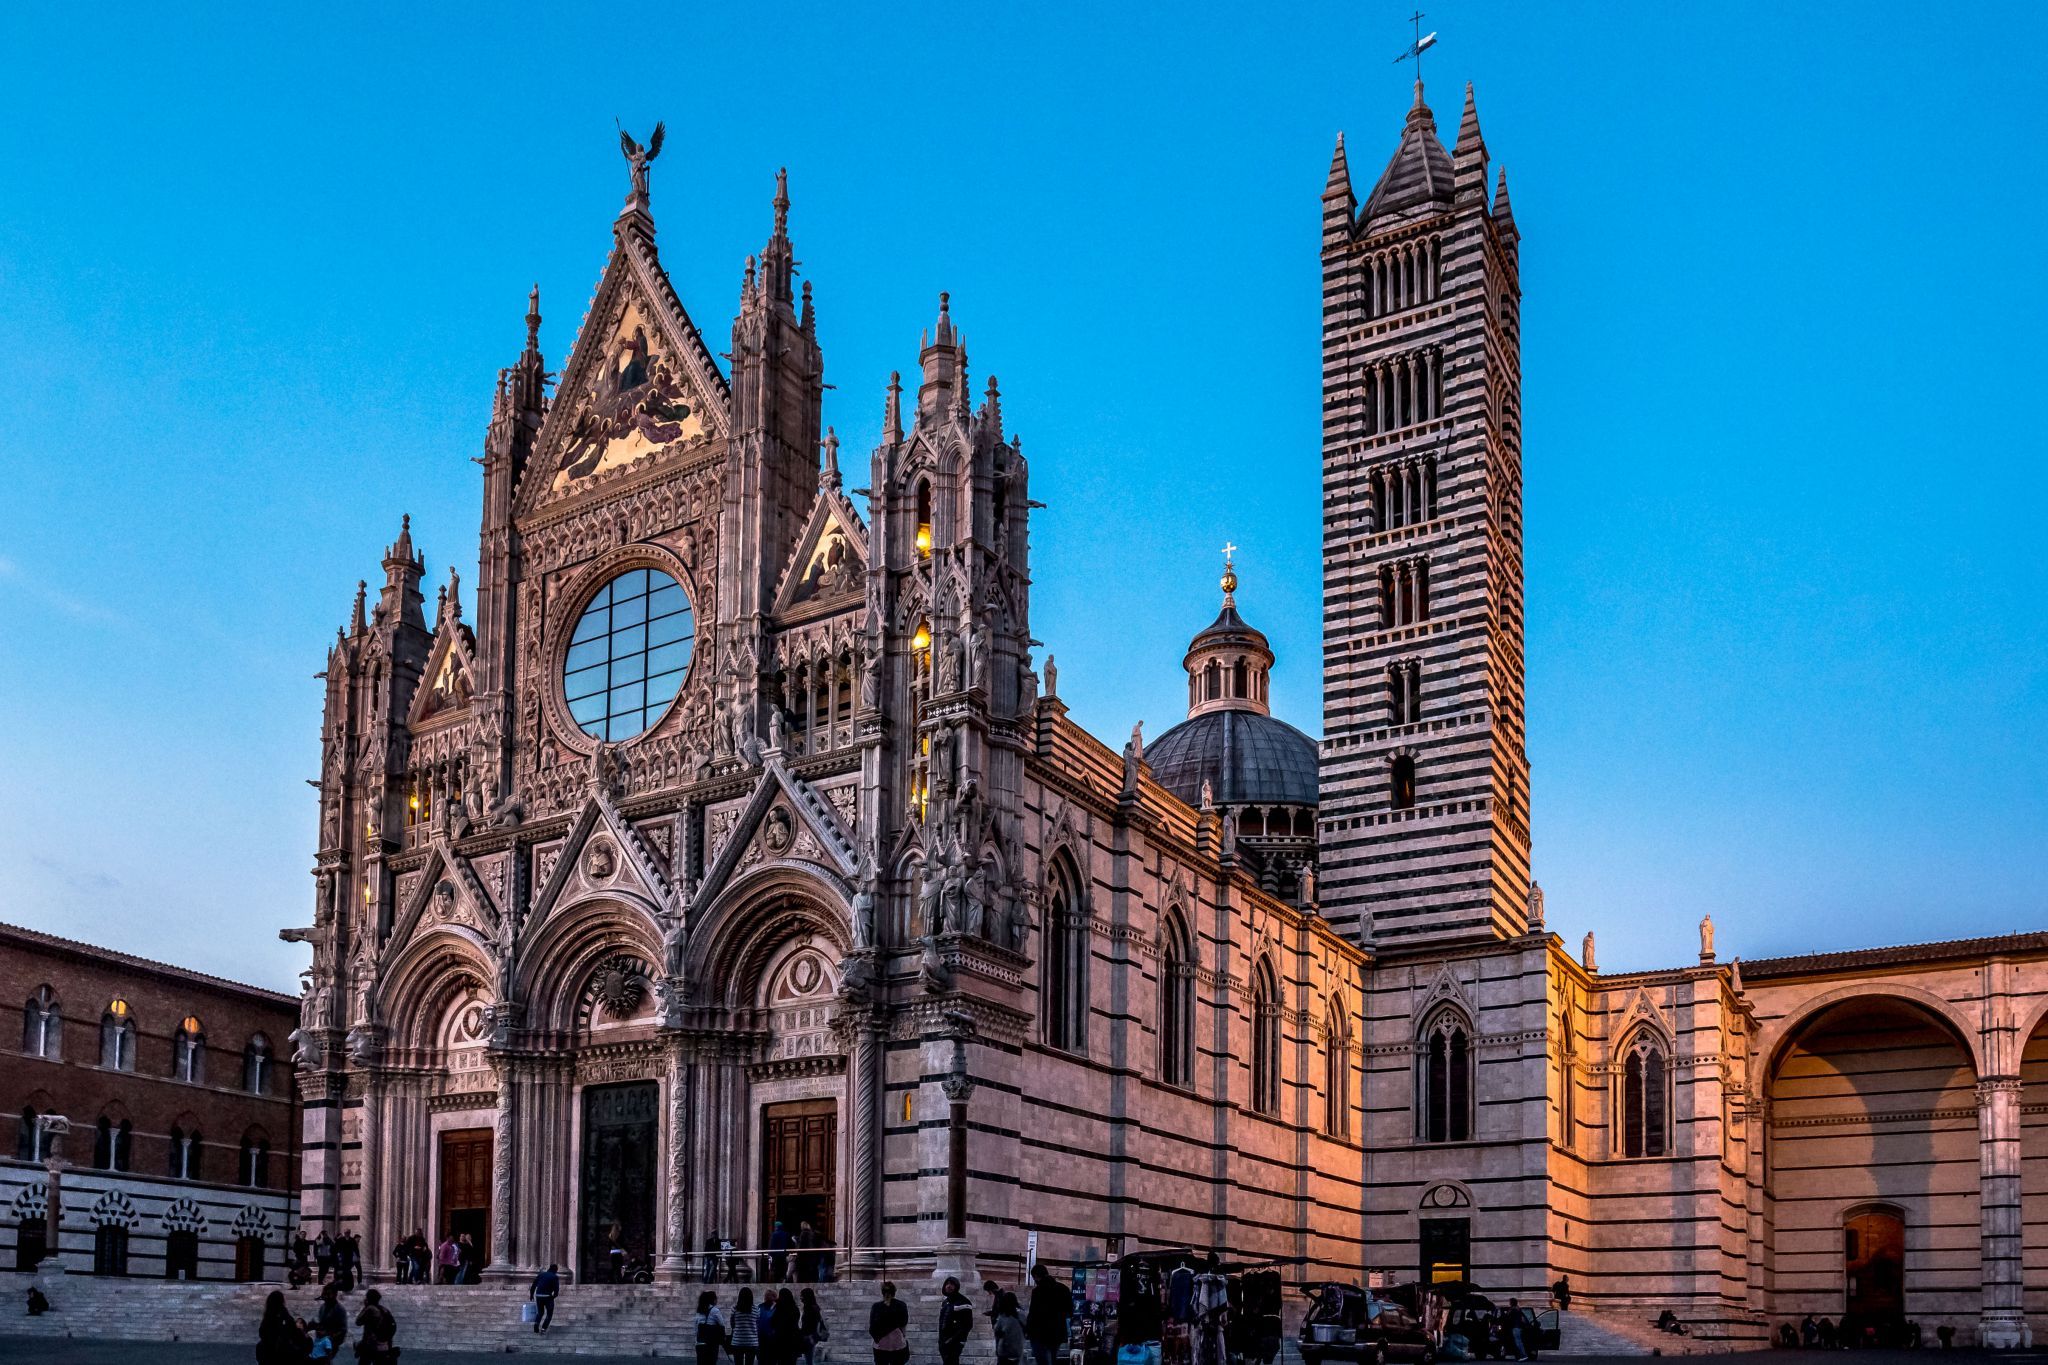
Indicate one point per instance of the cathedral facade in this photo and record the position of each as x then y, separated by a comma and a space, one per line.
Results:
739, 865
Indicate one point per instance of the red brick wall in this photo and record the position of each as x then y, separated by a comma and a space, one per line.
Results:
159, 998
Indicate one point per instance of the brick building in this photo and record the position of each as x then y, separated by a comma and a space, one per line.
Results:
181, 1156
742, 865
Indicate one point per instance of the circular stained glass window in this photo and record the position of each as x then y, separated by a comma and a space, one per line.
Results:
628, 654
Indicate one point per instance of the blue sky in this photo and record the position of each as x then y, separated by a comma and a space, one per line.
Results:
1784, 476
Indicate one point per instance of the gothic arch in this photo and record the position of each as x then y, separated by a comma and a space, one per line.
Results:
431, 970
1778, 1038
555, 967
732, 949
2031, 1024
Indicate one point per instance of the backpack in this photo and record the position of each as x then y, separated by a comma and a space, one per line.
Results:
709, 1332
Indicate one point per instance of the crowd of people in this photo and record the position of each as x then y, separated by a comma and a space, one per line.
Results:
781, 1327
283, 1339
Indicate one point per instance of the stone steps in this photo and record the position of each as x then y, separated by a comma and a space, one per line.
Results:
1622, 1333
644, 1320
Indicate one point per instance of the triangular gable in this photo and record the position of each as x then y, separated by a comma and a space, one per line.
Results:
639, 380
831, 558
421, 901
449, 679
1446, 988
603, 852
778, 787
1640, 1010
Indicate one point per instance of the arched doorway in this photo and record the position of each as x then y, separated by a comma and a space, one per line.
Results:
1873, 1265
1872, 1161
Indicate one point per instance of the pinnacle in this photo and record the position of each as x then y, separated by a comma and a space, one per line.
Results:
1469, 136
533, 318
1339, 181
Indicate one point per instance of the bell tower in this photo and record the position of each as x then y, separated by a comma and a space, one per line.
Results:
1424, 833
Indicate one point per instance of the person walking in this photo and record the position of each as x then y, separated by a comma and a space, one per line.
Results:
743, 1333
1517, 1326
1046, 1322
811, 1328
379, 1328
280, 1338
956, 1321
546, 1286
323, 1256
445, 1257
710, 1328
778, 1253
888, 1320
1009, 1329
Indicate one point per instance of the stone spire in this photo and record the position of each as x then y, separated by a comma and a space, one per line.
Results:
942, 359
778, 258
1503, 212
1469, 161
1419, 178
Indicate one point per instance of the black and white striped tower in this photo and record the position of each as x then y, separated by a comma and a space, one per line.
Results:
1425, 774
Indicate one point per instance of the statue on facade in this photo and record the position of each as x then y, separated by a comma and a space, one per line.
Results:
775, 734
864, 926
1052, 677
1586, 953
978, 653
1706, 938
932, 972
1535, 905
930, 891
974, 898
953, 899
639, 157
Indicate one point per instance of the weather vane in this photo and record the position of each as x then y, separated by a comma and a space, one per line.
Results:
1415, 49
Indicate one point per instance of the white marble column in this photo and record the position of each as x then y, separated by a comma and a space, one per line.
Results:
2001, 1325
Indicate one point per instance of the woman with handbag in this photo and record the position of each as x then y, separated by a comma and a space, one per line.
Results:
710, 1329
811, 1329
887, 1319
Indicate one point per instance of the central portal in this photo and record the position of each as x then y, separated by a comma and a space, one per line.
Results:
799, 1157
620, 1133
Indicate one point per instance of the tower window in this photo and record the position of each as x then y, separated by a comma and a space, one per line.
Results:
1443, 1087
1404, 593
1404, 692
1402, 774
923, 533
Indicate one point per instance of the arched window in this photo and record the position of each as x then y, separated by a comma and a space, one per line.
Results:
186, 1149
1401, 775
256, 1065
1237, 680
1265, 1040
1063, 969
1568, 1078
188, 1051
1176, 1003
255, 1171
28, 1139
923, 531
117, 1037
1645, 1097
42, 1026
111, 1143
1443, 1085
1337, 1072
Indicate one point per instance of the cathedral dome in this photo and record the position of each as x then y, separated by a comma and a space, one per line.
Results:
1246, 757
1231, 740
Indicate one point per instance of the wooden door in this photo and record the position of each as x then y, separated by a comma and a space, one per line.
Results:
1874, 1256
800, 1160
466, 1187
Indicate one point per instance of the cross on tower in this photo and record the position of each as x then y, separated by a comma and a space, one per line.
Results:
1415, 49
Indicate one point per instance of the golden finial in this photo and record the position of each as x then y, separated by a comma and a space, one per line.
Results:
1229, 575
